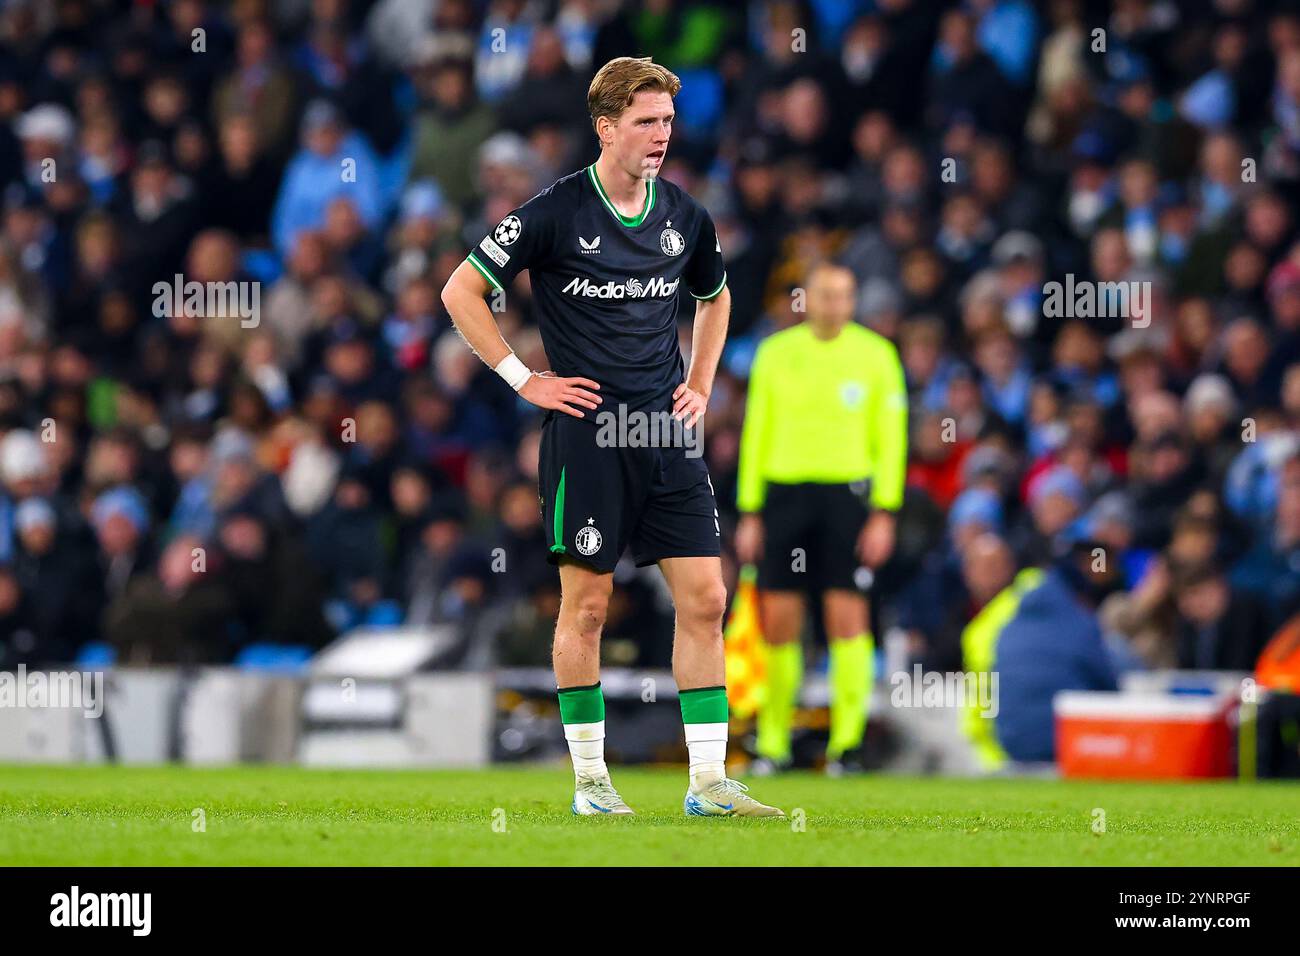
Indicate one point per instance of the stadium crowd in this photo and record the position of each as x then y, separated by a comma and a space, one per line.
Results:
185, 487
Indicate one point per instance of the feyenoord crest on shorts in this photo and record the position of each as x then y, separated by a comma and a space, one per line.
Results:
587, 540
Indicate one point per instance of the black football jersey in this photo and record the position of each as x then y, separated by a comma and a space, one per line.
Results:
606, 286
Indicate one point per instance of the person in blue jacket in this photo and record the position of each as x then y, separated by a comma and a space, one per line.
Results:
1052, 643
334, 161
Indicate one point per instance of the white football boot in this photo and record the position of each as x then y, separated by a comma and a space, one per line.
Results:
595, 796
726, 798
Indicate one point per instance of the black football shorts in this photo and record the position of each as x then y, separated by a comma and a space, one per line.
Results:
810, 534
599, 498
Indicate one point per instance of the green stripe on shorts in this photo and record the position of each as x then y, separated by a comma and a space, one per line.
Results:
558, 525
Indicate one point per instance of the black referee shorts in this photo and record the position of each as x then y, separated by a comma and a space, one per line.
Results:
597, 501
810, 534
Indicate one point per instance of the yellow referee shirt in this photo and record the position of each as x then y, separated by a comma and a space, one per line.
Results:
826, 412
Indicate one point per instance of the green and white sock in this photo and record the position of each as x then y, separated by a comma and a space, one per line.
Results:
704, 714
582, 711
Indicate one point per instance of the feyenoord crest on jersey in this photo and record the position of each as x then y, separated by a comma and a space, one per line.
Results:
671, 241
588, 539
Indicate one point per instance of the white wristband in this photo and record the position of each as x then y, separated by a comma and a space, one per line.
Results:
513, 371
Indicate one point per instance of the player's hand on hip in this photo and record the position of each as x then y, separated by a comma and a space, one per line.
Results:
689, 405
568, 395
876, 540
749, 539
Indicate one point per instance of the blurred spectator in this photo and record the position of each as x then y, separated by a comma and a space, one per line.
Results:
334, 163
1219, 627
179, 615
1164, 476
1050, 644
967, 82
58, 584
121, 521
334, 64
159, 214
240, 182
431, 567
344, 537
1056, 499
451, 124
260, 84
271, 583
939, 601
1271, 569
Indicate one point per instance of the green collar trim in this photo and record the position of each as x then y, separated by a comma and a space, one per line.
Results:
633, 221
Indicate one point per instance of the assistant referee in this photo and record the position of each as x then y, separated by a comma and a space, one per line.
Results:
826, 417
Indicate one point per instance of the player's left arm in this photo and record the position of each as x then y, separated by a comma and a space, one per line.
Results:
706, 278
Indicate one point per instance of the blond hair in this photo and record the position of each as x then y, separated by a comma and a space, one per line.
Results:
619, 80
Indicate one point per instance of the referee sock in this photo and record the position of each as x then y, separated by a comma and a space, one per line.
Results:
776, 712
582, 711
704, 714
852, 664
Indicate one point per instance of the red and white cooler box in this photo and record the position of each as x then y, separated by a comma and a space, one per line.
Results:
1143, 734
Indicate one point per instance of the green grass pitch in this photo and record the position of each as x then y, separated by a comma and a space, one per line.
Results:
504, 816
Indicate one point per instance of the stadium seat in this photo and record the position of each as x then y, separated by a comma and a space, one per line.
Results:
262, 264
290, 658
96, 654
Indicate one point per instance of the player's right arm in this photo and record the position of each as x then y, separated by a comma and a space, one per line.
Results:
463, 295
